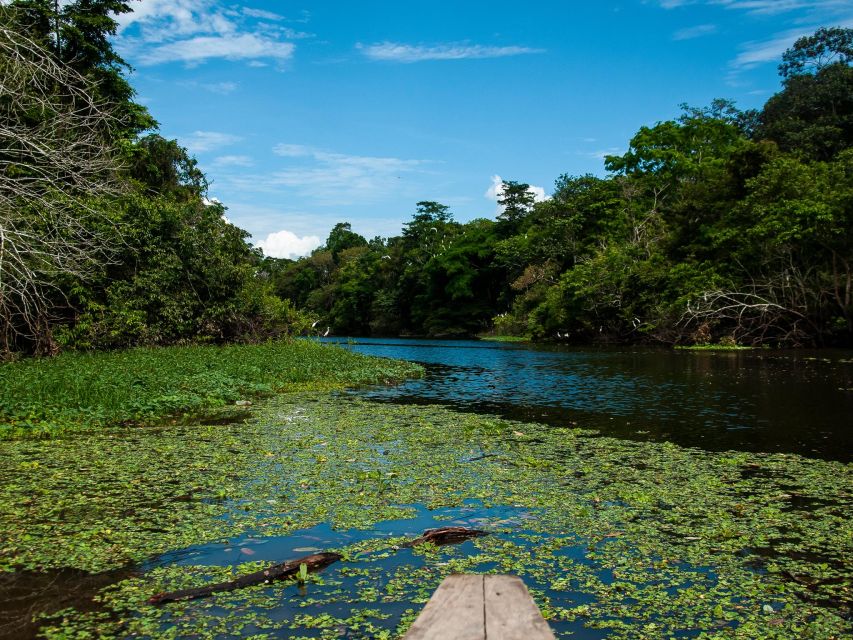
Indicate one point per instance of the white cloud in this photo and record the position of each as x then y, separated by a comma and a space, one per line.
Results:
698, 31
755, 53
496, 190
203, 141
233, 161
286, 244
803, 18
192, 31
260, 13
293, 34
765, 7
396, 52
231, 47
161, 19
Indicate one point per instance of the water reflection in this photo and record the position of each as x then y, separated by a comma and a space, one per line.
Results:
774, 401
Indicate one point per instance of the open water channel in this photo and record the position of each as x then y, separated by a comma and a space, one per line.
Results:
758, 400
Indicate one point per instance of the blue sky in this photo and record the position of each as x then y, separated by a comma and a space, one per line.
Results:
305, 114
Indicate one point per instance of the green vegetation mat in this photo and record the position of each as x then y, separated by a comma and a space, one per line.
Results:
616, 539
84, 390
714, 347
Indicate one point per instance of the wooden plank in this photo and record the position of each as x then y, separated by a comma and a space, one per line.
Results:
511, 613
456, 611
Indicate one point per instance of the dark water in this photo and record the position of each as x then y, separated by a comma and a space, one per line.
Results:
771, 401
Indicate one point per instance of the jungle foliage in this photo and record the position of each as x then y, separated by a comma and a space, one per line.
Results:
720, 225
137, 254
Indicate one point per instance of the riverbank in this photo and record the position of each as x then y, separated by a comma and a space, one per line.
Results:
616, 539
74, 391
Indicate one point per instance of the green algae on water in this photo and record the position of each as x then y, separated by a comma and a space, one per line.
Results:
620, 539
80, 391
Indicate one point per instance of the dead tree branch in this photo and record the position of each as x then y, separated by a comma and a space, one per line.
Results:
58, 164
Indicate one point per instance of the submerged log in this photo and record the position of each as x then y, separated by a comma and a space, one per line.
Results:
446, 535
314, 562
289, 569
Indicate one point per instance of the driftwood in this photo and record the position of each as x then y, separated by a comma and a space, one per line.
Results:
314, 562
289, 569
446, 535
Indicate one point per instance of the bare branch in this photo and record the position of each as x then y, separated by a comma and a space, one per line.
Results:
58, 162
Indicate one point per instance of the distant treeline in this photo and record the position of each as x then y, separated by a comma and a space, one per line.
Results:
721, 225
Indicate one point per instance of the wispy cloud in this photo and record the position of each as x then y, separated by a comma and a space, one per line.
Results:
694, 32
193, 31
601, 154
331, 177
802, 17
221, 88
204, 141
260, 13
230, 47
755, 53
233, 161
765, 7
397, 52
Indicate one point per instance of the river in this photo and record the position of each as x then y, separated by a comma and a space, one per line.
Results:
792, 401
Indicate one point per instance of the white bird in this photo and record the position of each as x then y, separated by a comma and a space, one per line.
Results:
314, 324
327, 331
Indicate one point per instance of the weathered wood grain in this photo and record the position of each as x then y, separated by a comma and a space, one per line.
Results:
511, 613
472, 607
456, 611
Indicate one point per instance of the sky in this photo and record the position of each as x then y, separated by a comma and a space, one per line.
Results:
306, 114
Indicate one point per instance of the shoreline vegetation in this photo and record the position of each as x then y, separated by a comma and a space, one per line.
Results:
155, 385
713, 347
719, 224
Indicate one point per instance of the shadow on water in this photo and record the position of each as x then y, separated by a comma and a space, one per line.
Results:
762, 401
24, 594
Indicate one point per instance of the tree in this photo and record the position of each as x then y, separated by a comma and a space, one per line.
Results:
77, 33
827, 46
516, 200
58, 160
341, 238
813, 115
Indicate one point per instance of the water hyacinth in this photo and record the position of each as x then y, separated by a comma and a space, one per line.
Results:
615, 539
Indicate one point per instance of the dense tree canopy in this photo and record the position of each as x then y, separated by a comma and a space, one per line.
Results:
106, 236
717, 225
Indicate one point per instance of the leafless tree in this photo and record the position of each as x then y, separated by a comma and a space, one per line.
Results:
772, 309
58, 166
